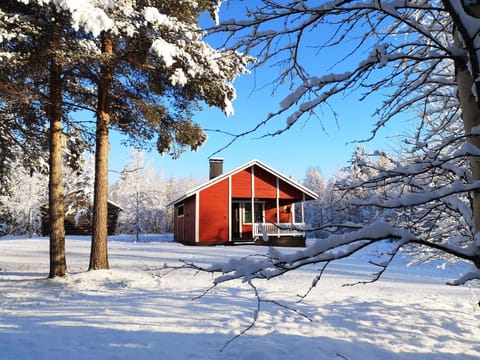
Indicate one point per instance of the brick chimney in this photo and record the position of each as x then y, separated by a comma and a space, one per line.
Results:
216, 167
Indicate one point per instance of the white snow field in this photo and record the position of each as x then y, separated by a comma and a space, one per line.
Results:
129, 312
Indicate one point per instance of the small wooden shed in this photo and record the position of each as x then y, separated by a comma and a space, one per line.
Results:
78, 215
242, 205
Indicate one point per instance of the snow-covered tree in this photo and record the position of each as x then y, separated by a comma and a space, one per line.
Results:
424, 191
419, 56
38, 50
20, 208
141, 66
139, 192
361, 167
336, 209
21, 136
153, 70
314, 211
79, 180
143, 194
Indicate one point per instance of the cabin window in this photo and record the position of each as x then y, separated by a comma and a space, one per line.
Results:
247, 215
180, 210
298, 213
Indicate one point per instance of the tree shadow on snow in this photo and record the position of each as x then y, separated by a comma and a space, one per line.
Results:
29, 338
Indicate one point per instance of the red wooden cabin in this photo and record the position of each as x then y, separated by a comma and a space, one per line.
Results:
242, 205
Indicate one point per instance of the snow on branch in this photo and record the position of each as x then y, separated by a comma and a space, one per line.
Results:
276, 263
86, 14
414, 199
412, 39
335, 247
472, 275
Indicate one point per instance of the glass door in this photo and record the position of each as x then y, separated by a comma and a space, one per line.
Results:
235, 220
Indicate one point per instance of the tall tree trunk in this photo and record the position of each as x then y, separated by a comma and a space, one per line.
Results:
58, 264
471, 119
99, 250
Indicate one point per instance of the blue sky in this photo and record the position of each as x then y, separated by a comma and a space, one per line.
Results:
319, 141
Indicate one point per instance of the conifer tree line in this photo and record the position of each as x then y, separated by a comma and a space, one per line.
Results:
72, 71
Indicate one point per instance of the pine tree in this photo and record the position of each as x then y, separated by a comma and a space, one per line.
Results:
154, 70
142, 67
41, 48
22, 134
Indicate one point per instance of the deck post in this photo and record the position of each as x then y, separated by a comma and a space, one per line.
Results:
303, 209
197, 217
253, 198
278, 205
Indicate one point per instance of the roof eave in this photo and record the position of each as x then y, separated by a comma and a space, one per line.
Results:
239, 168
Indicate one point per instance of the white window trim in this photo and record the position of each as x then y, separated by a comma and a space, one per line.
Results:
253, 211
183, 212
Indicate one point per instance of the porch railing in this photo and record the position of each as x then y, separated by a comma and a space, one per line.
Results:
280, 229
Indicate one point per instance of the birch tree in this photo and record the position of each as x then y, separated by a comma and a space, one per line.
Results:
20, 206
139, 192
420, 56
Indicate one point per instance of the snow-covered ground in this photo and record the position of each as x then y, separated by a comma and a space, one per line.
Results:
130, 312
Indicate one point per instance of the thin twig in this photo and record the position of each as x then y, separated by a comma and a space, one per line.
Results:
314, 282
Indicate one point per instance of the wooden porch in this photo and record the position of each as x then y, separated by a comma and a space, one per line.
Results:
267, 230
279, 234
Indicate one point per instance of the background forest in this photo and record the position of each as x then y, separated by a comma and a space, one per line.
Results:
146, 67
143, 193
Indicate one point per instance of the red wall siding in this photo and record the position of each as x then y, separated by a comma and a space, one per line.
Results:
247, 231
214, 217
178, 225
184, 226
289, 192
189, 219
286, 216
265, 184
242, 184
271, 211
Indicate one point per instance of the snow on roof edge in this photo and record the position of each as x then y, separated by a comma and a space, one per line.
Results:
237, 169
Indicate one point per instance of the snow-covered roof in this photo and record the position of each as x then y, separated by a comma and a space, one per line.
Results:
240, 168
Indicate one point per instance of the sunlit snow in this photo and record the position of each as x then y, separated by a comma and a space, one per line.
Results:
130, 312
